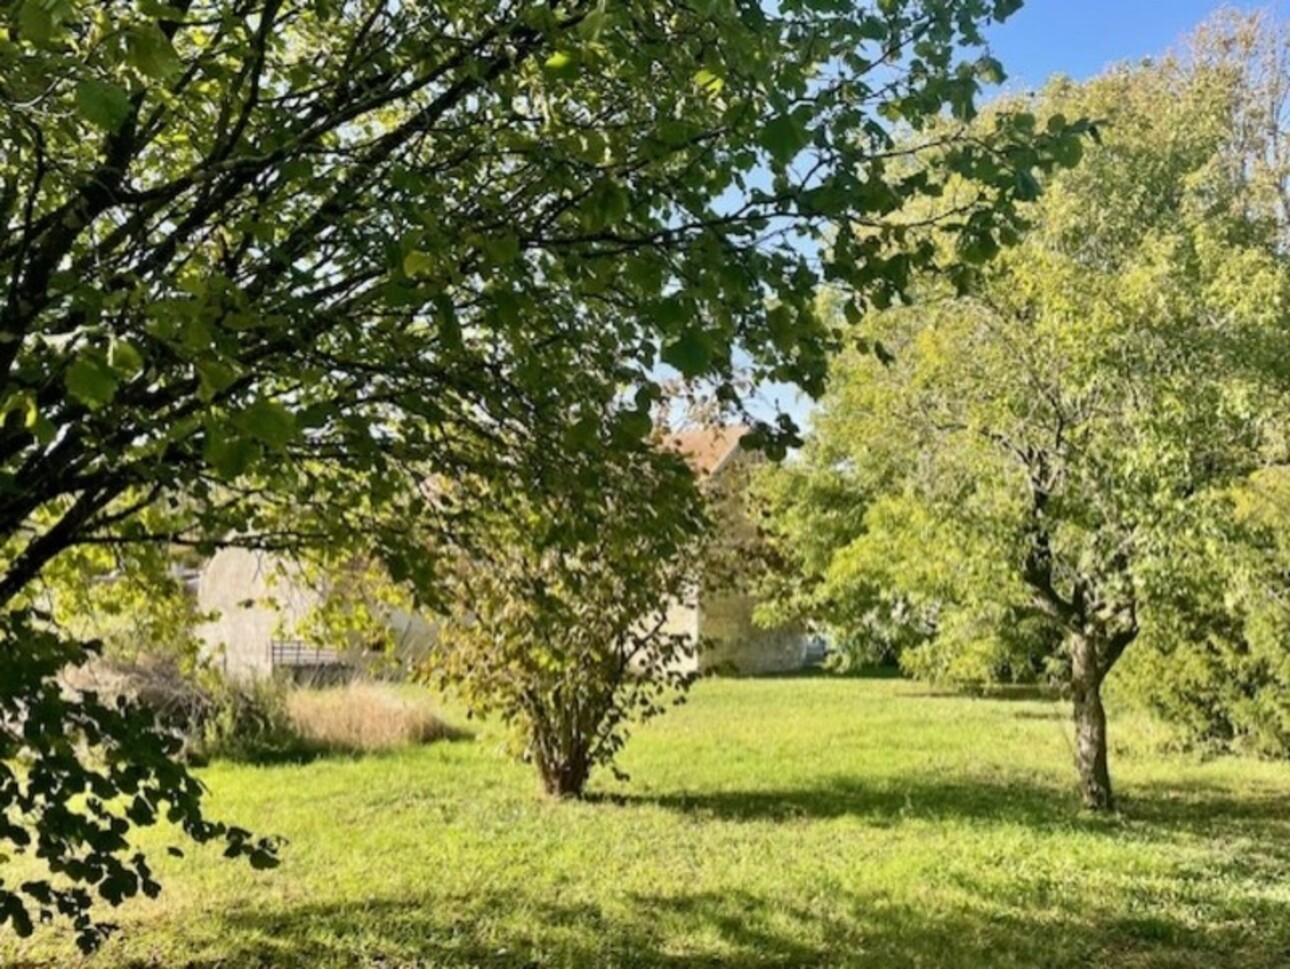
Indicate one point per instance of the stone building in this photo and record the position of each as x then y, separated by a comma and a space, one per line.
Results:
258, 599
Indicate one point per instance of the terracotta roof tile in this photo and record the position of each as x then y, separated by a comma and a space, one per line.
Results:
707, 448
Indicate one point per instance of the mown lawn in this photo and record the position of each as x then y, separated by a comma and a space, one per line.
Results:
796, 822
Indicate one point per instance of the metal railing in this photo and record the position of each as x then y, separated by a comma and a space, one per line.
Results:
295, 653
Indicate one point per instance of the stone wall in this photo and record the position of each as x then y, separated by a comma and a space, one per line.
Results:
258, 598
255, 600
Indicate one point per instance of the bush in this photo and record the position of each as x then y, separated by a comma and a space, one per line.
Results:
213, 715
559, 616
248, 721
1220, 690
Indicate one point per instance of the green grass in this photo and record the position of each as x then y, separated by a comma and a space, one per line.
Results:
796, 822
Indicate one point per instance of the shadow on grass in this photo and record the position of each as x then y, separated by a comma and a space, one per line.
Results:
1152, 812
304, 750
821, 671
878, 802
1016, 692
675, 929
1061, 714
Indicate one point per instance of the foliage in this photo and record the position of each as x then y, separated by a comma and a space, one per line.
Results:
1036, 462
89, 771
1214, 662
801, 822
263, 263
248, 721
209, 714
560, 623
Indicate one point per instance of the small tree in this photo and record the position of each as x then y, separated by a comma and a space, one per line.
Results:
559, 622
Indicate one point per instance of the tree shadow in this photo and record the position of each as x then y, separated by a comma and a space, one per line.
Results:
300, 751
879, 802
1207, 812
1006, 692
728, 929
1062, 715
1153, 812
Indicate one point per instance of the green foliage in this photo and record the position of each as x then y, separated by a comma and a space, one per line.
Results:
278, 258
1214, 661
560, 615
135, 599
247, 721
89, 771
1035, 462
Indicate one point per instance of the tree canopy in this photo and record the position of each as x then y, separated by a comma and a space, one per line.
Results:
265, 262
1026, 476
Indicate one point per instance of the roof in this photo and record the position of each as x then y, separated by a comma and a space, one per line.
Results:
707, 449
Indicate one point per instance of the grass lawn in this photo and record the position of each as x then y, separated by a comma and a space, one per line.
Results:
795, 822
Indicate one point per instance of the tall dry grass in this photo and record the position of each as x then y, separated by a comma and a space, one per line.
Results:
364, 717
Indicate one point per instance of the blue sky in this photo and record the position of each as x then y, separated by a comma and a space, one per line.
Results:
1080, 37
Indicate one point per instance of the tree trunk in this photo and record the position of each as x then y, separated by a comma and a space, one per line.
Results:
1090, 727
566, 776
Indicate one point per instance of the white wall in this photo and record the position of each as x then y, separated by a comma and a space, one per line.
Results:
254, 598
240, 636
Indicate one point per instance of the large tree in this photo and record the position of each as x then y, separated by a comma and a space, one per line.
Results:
1045, 453
264, 262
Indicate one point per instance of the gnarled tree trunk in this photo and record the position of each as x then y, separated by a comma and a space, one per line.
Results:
1090, 726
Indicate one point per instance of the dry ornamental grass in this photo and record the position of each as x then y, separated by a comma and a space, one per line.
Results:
364, 717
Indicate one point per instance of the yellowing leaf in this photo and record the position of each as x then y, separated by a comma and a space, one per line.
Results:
561, 64
711, 83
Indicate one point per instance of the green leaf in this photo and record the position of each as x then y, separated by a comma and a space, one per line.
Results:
268, 421
561, 64
91, 381
978, 247
991, 71
1069, 151
125, 359
215, 376
634, 424
150, 52
690, 353
1027, 186
35, 22
783, 137
502, 249
229, 454
102, 104
25, 403
417, 263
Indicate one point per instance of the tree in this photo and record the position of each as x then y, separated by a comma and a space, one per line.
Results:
1214, 662
264, 262
559, 616
1044, 449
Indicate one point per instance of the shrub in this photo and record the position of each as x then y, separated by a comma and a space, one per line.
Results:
559, 623
213, 715
249, 721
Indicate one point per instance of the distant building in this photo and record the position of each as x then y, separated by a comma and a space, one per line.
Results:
259, 599
721, 614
